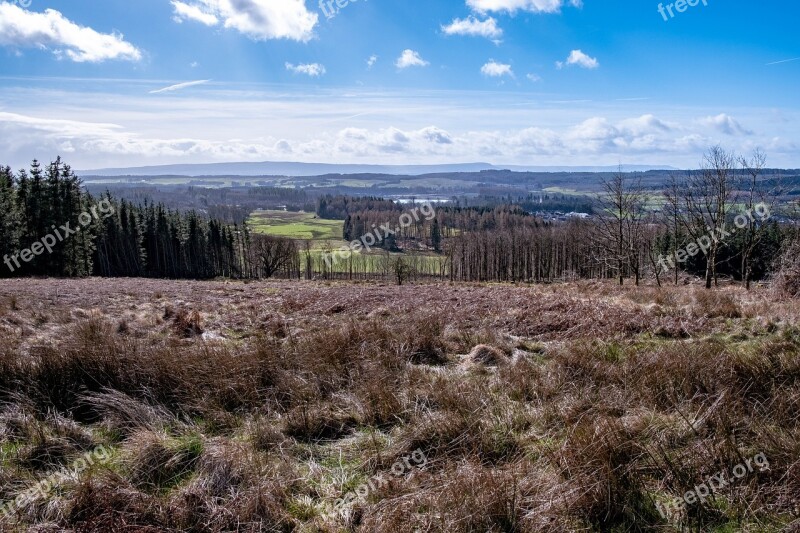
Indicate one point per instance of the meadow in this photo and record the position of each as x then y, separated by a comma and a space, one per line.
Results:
296, 225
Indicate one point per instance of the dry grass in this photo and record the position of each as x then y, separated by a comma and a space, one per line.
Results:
254, 407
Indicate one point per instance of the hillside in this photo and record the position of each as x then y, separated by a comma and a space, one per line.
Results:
277, 406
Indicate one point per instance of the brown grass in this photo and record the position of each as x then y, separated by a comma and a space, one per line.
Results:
582, 406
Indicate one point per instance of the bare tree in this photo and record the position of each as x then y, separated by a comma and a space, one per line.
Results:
652, 235
273, 254
758, 197
673, 213
708, 197
402, 269
619, 232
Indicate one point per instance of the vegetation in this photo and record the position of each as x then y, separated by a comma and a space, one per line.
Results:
248, 405
256, 406
127, 240
299, 226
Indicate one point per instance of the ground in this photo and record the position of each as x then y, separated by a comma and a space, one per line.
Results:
304, 406
325, 237
301, 226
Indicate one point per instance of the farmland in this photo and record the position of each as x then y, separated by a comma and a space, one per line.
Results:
300, 226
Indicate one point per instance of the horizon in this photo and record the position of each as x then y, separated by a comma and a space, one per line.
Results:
523, 83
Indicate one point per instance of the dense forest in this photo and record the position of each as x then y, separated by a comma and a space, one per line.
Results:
50, 226
231, 205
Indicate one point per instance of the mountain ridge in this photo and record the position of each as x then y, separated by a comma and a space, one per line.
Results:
294, 169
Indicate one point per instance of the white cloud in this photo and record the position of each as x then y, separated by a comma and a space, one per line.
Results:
577, 57
258, 19
645, 124
534, 77
50, 30
184, 11
511, 6
598, 137
726, 124
179, 86
472, 26
314, 70
372, 60
116, 125
494, 69
410, 58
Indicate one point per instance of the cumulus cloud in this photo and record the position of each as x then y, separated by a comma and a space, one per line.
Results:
258, 19
410, 58
598, 137
472, 26
372, 60
314, 70
577, 57
645, 124
726, 124
50, 30
184, 11
511, 6
179, 86
493, 69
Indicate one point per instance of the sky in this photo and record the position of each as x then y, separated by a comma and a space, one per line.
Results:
111, 83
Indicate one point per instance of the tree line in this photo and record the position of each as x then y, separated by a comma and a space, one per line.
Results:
146, 240
722, 220
635, 233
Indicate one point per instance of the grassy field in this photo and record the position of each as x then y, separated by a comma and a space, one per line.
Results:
367, 407
300, 226
326, 237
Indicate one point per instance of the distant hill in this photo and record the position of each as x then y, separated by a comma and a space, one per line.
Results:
268, 168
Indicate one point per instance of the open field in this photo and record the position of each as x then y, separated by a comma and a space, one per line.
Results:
326, 237
227, 406
301, 226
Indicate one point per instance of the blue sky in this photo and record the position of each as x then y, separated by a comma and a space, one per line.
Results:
531, 82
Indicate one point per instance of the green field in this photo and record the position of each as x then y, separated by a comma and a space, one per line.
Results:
300, 226
326, 237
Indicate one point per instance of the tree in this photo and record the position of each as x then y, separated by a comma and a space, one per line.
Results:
436, 235
673, 216
758, 196
621, 220
273, 254
707, 198
402, 270
8, 241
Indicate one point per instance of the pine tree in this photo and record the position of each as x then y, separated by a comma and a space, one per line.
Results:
8, 239
436, 236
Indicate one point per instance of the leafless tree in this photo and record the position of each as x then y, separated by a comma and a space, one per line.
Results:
757, 196
273, 254
707, 198
673, 214
401, 268
621, 222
